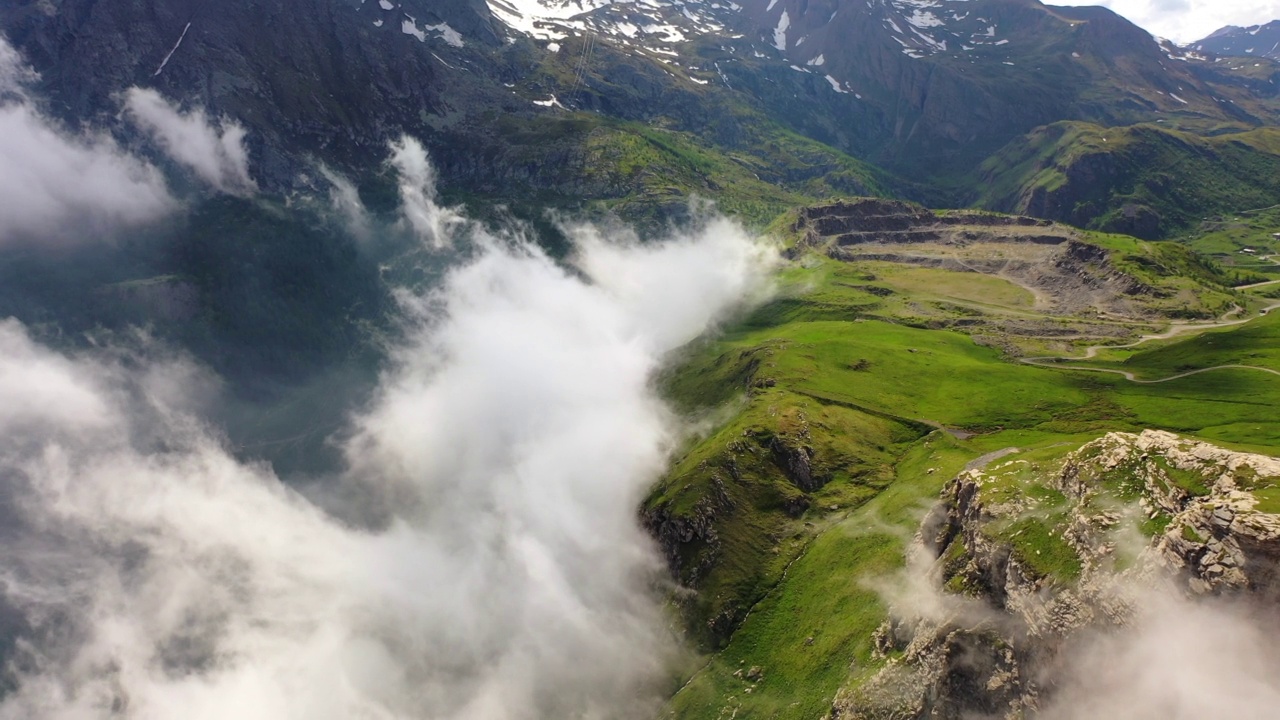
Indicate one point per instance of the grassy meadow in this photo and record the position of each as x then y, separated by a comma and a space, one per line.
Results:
887, 409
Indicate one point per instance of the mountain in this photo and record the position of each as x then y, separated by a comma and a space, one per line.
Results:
792, 99
1252, 41
954, 81
695, 359
613, 108
320, 77
1141, 180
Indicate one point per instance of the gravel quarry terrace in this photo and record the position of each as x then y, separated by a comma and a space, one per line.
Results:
1070, 271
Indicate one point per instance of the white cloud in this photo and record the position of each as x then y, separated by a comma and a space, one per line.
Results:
419, 203
1178, 660
215, 153
1186, 21
344, 198
491, 566
62, 186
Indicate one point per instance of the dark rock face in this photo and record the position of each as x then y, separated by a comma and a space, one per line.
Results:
677, 534
1139, 221
795, 463
305, 77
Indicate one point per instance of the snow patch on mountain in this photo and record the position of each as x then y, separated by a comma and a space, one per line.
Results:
409, 26
920, 27
651, 25
780, 32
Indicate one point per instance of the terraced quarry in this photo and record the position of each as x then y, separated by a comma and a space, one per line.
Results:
890, 359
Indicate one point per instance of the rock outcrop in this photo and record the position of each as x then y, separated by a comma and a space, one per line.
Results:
1030, 553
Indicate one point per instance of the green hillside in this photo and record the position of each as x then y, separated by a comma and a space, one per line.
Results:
1144, 180
843, 424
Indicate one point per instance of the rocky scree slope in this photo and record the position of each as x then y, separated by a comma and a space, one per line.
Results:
1032, 553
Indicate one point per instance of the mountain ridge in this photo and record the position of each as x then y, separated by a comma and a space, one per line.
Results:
920, 92
1251, 41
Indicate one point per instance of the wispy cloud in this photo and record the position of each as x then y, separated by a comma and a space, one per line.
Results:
422, 212
63, 186
1177, 660
215, 152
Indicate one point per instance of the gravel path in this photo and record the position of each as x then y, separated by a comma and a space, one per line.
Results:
1173, 331
980, 462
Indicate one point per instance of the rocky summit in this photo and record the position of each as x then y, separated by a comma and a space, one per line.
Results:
1254, 41
1043, 552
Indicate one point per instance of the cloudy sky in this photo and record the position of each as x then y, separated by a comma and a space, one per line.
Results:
1188, 20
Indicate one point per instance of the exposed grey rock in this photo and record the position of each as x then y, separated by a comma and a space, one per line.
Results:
1000, 661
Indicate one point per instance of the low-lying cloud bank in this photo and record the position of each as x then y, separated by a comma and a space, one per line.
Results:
480, 560
1177, 660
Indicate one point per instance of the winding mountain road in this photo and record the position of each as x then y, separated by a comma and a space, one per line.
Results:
1257, 285
1265, 283
1174, 330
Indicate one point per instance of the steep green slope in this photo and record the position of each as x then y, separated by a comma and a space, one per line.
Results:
1245, 244
1143, 180
647, 172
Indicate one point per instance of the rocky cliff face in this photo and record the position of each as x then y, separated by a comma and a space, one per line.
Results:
1032, 553
333, 79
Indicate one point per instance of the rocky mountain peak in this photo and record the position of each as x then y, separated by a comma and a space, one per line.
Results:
1252, 41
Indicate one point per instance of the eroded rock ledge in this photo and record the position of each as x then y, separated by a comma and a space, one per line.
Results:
1032, 552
